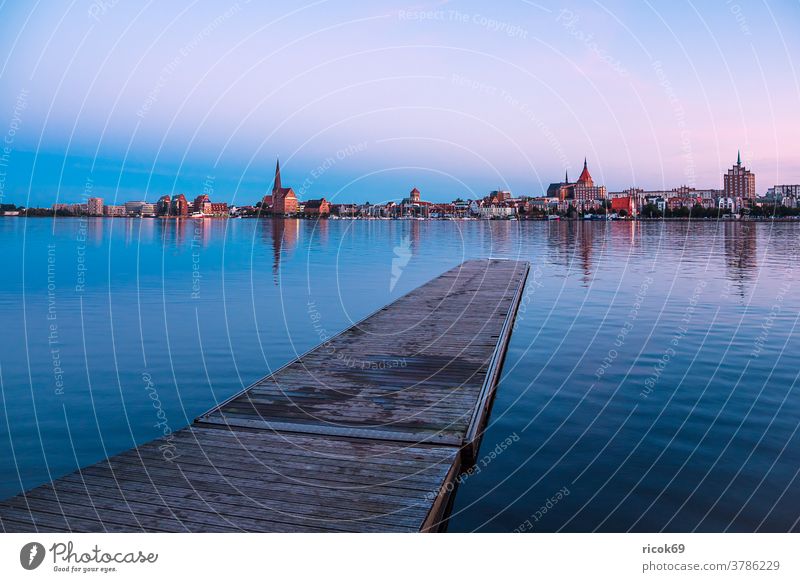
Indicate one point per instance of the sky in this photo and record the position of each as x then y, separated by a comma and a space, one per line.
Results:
362, 101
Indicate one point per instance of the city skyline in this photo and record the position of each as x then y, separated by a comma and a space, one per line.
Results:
458, 96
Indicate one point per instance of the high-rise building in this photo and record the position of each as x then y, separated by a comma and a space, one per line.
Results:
284, 200
94, 207
739, 183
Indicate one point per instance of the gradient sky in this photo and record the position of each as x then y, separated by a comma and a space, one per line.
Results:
364, 100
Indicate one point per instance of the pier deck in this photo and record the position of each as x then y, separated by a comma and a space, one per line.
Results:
366, 432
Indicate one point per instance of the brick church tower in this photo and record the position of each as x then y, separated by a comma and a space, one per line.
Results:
284, 200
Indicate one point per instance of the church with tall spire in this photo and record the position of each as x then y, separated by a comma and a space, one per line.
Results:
583, 193
282, 200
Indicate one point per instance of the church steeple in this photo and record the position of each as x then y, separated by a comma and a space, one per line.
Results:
277, 184
566, 176
585, 177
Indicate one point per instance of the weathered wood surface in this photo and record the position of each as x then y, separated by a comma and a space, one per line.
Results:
363, 433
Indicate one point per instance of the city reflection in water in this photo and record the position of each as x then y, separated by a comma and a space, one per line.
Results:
740, 254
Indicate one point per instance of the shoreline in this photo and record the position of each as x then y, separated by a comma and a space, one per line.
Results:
423, 219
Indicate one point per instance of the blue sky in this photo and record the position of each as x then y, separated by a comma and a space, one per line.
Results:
364, 100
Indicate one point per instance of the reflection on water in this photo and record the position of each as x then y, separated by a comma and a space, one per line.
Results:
651, 372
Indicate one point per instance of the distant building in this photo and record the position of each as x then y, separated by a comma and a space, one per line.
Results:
784, 194
114, 210
147, 209
219, 209
284, 200
739, 183
202, 204
413, 205
163, 205
179, 206
94, 207
583, 193
626, 203
319, 207
344, 210
134, 207
500, 196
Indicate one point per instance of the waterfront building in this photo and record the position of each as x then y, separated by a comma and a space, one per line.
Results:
584, 190
202, 204
583, 193
147, 209
219, 208
413, 205
727, 203
739, 183
344, 210
284, 200
624, 203
134, 207
485, 209
114, 210
784, 194
319, 207
94, 207
677, 202
179, 206
163, 205
559, 190
500, 196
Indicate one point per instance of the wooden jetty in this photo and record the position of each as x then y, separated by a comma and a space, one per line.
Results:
365, 433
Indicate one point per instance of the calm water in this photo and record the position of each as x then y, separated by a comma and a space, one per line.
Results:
650, 382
